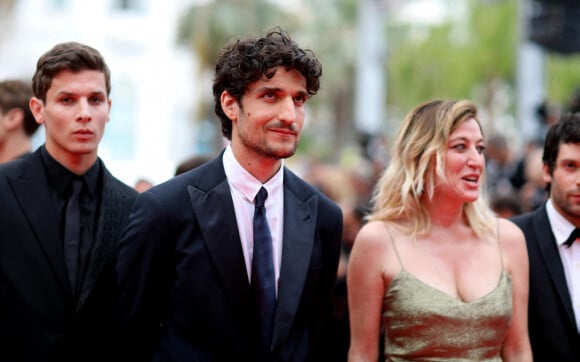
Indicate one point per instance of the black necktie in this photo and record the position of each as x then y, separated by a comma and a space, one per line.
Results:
263, 279
575, 234
72, 233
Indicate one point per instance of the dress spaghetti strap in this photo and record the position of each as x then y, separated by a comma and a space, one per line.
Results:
394, 246
499, 244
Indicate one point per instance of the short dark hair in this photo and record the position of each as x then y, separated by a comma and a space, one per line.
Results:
16, 94
566, 130
71, 56
247, 60
191, 163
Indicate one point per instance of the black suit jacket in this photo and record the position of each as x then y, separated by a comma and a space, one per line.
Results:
183, 281
39, 320
552, 327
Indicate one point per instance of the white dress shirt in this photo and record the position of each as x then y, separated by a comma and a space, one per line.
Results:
244, 187
570, 256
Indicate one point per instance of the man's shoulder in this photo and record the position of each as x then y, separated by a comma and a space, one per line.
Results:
305, 191
113, 184
18, 166
203, 178
529, 218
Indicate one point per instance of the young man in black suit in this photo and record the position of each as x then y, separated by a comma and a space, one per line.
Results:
554, 253
58, 246
188, 265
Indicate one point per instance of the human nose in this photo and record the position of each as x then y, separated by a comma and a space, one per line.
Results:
83, 111
288, 110
475, 158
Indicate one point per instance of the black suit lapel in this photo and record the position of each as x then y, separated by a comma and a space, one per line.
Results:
111, 213
549, 252
214, 210
35, 198
299, 234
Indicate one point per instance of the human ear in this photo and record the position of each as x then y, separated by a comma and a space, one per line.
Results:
546, 174
36, 107
14, 118
229, 105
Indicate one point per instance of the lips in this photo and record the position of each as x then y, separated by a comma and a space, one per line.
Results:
83, 133
471, 178
284, 131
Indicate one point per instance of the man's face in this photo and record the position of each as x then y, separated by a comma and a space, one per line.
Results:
268, 122
75, 114
565, 182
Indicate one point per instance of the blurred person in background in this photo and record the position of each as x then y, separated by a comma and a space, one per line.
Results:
17, 124
553, 239
190, 163
500, 166
445, 278
189, 268
142, 185
547, 113
61, 217
506, 206
573, 104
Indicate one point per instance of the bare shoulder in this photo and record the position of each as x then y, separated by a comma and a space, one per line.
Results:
513, 243
372, 237
373, 247
510, 233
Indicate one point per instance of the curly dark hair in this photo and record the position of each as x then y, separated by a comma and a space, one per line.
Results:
566, 130
247, 60
70, 56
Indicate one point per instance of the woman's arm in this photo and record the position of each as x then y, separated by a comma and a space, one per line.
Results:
366, 290
516, 346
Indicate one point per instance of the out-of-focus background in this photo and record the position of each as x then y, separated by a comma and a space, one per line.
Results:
517, 59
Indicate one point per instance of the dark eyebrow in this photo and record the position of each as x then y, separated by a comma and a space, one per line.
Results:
304, 94
269, 89
569, 160
72, 93
266, 89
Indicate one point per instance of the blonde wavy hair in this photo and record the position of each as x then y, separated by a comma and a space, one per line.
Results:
418, 160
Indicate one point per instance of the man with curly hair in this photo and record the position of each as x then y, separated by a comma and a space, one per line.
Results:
190, 265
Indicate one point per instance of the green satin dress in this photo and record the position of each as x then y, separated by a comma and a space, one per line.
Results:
425, 324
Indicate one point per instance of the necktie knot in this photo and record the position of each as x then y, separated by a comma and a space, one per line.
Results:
76, 187
261, 197
575, 234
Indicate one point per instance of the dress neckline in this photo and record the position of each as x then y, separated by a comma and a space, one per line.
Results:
503, 276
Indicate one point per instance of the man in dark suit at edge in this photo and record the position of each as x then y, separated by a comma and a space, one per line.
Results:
186, 259
553, 249
58, 246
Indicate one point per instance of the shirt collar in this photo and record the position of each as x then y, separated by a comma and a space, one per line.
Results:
59, 177
239, 178
561, 227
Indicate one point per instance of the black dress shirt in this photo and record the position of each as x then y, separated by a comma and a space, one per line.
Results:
60, 180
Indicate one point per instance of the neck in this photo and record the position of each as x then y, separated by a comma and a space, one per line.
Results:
262, 168
77, 163
445, 213
15, 146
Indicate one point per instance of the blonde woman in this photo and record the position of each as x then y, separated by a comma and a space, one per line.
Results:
433, 266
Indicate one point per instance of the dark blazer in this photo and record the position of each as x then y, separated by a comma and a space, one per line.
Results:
183, 278
38, 318
552, 327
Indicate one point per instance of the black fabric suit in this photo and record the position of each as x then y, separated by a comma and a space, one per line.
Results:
552, 327
38, 317
181, 266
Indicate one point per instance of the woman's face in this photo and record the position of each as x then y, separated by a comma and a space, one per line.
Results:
464, 162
